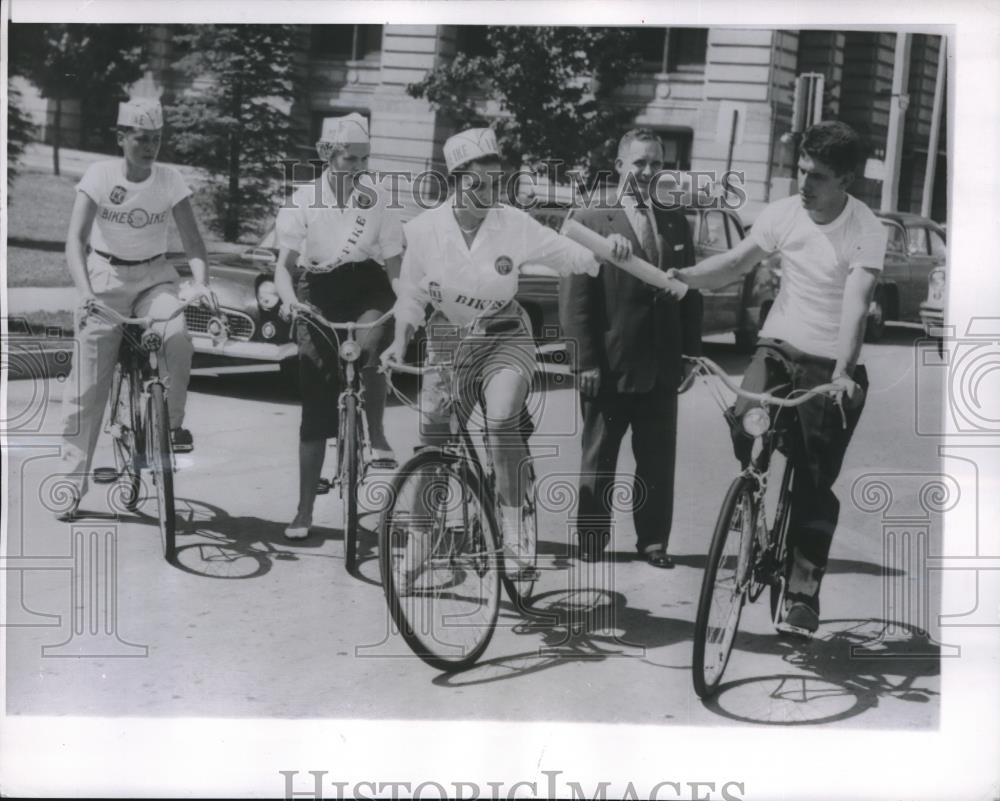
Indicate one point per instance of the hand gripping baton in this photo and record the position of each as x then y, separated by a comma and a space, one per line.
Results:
640, 268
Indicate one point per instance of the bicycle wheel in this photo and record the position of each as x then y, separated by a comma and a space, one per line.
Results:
348, 461
521, 589
125, 426
160, 460
439, 560
724, 587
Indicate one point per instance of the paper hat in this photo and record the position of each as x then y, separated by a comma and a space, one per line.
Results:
142, 112
475, 143
349, 130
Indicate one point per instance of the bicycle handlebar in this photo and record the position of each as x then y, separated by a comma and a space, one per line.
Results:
708, 366
315, 316
96, 306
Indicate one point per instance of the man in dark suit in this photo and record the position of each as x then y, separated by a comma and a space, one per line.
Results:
629, 341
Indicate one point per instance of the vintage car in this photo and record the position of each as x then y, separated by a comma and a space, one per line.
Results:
739, 307
243, 281
911, 287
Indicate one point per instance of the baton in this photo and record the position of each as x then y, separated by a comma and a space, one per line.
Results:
640, 268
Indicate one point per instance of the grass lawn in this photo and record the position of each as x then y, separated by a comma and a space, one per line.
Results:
39, 206
42, 323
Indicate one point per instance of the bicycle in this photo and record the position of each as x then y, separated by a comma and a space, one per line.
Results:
352, 435
441, 554
749, 551
138, 421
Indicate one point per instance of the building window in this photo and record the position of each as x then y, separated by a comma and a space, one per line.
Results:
470, 40
672, 49
346, 42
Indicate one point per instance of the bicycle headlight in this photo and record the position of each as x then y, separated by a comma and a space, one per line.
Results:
756, 421
267, 295
350, 351
151, 341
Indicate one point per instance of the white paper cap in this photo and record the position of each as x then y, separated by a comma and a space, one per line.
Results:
142, 112
474, 143
349, 130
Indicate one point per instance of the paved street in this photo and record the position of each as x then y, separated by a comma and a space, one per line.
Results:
254, 626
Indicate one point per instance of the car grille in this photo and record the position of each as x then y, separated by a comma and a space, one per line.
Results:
241, 326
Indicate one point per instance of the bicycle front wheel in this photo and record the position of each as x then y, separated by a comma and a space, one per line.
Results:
520, 585
724, 587
161, 463
126, 431
348, 447
439, 560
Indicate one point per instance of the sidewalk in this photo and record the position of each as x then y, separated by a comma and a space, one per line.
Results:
21, 300
73, 163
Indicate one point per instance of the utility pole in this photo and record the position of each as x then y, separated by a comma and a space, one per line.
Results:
932, 144
898, 103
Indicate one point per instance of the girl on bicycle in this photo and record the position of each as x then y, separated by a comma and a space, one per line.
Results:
348, 246
115, 253
462, 258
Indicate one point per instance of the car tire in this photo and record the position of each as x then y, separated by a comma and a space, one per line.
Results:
875, 324
290, 374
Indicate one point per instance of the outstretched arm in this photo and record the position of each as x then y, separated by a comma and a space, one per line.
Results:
722, 269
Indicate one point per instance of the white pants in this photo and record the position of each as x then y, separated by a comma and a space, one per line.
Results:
135, 291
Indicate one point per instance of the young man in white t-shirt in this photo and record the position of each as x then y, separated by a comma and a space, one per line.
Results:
832, 249
115, 252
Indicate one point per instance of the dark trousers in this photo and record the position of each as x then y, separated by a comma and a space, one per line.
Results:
652, 417
817, 443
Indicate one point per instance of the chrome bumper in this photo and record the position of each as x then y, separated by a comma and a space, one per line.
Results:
234, 349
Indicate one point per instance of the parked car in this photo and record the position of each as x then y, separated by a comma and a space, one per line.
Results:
739, 307
913, 277
243, 282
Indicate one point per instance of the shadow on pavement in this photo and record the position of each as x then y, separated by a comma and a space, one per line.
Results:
847, 669
575, 625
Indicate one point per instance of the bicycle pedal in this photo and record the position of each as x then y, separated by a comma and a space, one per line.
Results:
794, 631
323, 487
105, 475
525, 574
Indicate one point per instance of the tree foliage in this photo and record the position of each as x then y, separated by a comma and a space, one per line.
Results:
552, 85
90, 62
20, 131
234, 121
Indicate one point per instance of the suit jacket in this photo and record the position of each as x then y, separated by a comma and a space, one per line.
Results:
618, 323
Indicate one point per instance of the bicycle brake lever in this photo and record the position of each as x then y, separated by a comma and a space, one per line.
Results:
839, 400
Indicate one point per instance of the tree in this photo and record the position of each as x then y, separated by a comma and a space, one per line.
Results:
554, 85
234, 121
20, 131
92, 63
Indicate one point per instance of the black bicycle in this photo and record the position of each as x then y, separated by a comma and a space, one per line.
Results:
352, 435
138, 421
441, 550
749, 551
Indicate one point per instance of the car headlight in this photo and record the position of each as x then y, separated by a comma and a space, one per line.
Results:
350, 351
267, 295
756, 421
268, 330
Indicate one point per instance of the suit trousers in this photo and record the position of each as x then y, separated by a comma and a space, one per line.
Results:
652, 418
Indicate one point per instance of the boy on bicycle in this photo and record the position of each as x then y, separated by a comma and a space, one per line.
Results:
832, 249
115, 252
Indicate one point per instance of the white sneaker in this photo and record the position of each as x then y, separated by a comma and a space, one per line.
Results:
298, 532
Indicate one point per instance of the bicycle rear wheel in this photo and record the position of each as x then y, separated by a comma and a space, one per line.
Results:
161, 462
724, 587
348, 456
439, 560
125, 426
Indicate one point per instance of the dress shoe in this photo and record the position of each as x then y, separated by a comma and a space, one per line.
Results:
658, 558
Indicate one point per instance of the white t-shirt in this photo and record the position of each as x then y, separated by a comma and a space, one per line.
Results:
464, 283
132, 218
311, 224
815, 262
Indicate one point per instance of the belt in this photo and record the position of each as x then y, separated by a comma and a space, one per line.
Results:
114, 261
